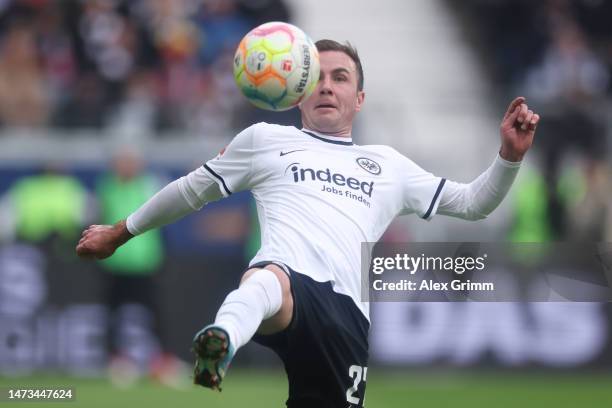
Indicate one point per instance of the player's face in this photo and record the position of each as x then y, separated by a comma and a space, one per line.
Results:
335, 101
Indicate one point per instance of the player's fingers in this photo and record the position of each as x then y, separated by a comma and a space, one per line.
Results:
84, 243
88, 254
534, 121
516, 102
94, 228
511, 119
89, 234
522, 113
527, 120
83, 251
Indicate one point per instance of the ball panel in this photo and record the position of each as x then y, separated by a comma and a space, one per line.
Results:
257, 61
313, 74
267, 29
278, 41
308, 63
283, 64
272, 88
239, 59
252, 41
289, 101
246, 84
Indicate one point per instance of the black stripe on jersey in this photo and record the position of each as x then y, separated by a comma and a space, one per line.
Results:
218, 177
435, 198
326, 140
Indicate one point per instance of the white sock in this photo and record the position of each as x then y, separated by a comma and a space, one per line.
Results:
258, 298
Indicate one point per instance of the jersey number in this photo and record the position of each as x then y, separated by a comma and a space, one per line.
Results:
357, 373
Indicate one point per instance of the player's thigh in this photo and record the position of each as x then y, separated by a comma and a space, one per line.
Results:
280, 321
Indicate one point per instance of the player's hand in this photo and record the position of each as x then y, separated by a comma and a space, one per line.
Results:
101, 241
517, 130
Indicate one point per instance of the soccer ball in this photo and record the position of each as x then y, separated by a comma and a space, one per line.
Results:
276, 66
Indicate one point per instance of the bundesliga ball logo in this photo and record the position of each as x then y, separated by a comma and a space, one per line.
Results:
276, 66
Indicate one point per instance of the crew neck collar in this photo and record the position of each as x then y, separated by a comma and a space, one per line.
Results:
341, 140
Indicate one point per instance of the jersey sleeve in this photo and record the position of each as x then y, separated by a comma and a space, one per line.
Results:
232, 167
421, 190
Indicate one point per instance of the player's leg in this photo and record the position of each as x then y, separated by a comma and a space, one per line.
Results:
262, 301
325, 352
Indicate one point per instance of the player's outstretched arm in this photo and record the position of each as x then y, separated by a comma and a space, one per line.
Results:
479, 198
174, 201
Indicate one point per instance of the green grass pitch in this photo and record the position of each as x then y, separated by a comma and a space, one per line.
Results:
261, 388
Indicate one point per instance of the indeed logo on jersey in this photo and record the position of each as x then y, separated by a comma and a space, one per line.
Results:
303, 174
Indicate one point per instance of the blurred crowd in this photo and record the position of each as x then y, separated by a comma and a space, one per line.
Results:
138, 65
557, 53
42, 215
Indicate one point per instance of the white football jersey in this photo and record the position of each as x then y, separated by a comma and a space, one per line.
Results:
319, 197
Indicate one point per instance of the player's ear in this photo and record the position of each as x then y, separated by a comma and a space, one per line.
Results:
360, 99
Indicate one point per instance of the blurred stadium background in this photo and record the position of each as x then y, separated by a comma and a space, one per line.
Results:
104, 101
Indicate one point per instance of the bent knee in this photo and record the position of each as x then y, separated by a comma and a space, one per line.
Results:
280, 274
284, 315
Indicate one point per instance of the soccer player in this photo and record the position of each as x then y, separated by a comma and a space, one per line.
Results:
318, 196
